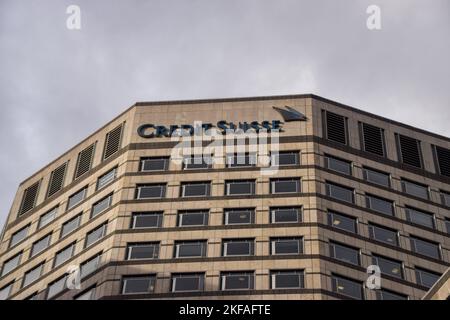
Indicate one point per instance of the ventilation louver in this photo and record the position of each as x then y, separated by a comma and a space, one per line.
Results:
84, 161
410, 151
443, 160
113, 141
373, 139
29, 198
57, 180
336, 128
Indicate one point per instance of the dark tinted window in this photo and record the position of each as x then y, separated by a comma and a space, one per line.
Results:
237, 280
382, 234
240, 187
195, 189
344, 253
151, 191
287, 279
425, 247
285, 215
415, 189
147, 220
136, 251
419, 217
241, 160
40, 245
101, 205
188, 282
284, 158
338, 165
290, 185
388, 266
19, 235
138, 284
347, 287
95, 235
377, 177
286, 245
379, 204
70, 225
187, 249
383, 294
339, 192
426, 278
238, 247
340, 221
239, 216
197, 162
76, 198
154, 164
193, 218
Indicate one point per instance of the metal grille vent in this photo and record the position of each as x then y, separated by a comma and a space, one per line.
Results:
373, 139
443, 160
57, 180
84, 161
113, 141
336, 128
29, 198
410, 151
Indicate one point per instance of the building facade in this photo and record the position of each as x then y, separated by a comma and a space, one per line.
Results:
120, 217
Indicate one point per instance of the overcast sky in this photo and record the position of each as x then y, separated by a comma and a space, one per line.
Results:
58, 85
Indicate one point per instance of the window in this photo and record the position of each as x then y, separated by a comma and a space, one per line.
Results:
47, 217
150, 191
409, 150
380, 205
341, 221
285, 158
237, 280
287, 279
90, 265
338, 165
290, 185
40, 245
415, 189
239, 216
5, 291
101, 205
64, 255
70, 225
154, 164
372, 139
56, 181
419, 217
32, 275
238, 247
86, 295
445, 196
144, 220
11, 264
347, 287
442, 160
19, 235
241, 160
240, 187
95, 235
388, 266
335, 127
106, 179
56, 287
190, 249
339, 192
425, 247
447, 225
138, 284
384, 294
285, 215
377, 177
191, 218
182, 282
76, 198
383, 234
286, 246
426, 278
29, 198
139, 251
344, 253
84, 161
113, 141
197, 162
195, 189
